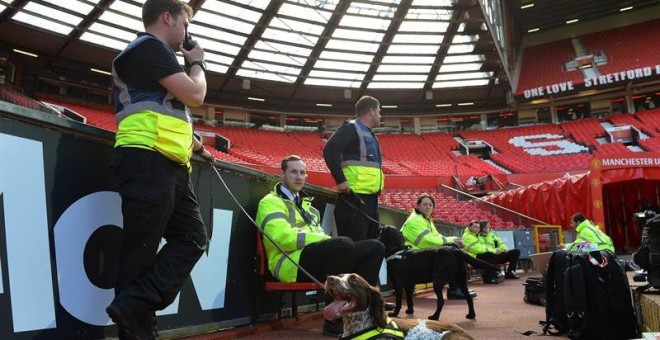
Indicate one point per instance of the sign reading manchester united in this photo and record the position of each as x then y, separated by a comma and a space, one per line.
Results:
622, 162
600, 80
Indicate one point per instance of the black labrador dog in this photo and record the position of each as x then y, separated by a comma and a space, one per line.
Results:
441, 266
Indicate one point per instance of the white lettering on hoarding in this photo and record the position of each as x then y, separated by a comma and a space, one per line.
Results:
78, 295
23, 192
631, 161
603, 79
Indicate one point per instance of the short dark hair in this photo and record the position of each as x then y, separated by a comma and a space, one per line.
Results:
423, 196
287, 159
152, 9
578, 218
364, 104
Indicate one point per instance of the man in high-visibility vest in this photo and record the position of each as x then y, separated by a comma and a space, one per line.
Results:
477, 245
286, 215
353, 157
589, 232
151, 162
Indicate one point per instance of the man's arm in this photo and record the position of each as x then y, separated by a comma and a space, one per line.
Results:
272, 217
188, 89
342, 138
473, 245
198, 148
500, 242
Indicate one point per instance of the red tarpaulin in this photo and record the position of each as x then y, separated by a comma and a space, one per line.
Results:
615, 188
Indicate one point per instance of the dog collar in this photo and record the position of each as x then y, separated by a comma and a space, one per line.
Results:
399, 255
392, 331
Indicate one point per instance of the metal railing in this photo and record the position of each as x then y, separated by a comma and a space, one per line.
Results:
518, 219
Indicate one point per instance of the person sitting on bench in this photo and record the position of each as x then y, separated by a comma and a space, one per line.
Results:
286, 215
478, 245
420, 233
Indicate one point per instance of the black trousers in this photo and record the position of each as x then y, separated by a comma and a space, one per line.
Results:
351, 222
157, 202
510, 256
341, 255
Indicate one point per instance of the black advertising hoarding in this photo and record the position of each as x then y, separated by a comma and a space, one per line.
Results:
60, 227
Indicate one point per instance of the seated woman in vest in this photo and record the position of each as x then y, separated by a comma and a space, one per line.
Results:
420, 233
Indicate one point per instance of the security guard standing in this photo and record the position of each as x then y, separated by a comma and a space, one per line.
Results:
353, 157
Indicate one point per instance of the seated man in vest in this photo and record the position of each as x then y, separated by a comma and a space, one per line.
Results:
477, 245
589, 232
288, 217
494, 241
420, 233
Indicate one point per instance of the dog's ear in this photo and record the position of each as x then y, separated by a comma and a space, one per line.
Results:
377, 308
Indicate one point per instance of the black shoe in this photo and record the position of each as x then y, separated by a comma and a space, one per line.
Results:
511, 275
456, 294
389, 306
333, 328
132, 322
494, 281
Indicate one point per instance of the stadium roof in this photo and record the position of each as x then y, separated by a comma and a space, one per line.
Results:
417, 56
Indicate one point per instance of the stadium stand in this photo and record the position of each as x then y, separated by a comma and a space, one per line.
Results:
447, 209
103, 118
584, 131
650, 121
535, 71
626, 47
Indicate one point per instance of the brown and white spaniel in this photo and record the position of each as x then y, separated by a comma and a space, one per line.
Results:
361, 307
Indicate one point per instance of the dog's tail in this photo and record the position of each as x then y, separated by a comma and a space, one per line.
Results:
475, 262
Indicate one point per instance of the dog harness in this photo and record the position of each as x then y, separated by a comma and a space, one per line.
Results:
392, 331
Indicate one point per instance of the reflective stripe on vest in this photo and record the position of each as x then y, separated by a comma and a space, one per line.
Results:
363, 176
601, 243
151, 118
469, 246
421, 236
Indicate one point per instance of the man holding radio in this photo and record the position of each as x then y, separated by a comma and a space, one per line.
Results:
151, 162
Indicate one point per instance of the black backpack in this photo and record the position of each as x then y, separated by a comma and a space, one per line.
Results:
648, 254
555, 308
598, 300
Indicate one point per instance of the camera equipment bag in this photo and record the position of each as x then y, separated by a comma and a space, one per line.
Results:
598, 299
555, 308
648, 254
535, 291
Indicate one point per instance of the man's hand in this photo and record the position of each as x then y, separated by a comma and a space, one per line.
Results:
459, 242
206, 154
197, 53
343, 188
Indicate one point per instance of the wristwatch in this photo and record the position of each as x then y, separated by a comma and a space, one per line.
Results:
199, 151
201, 64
